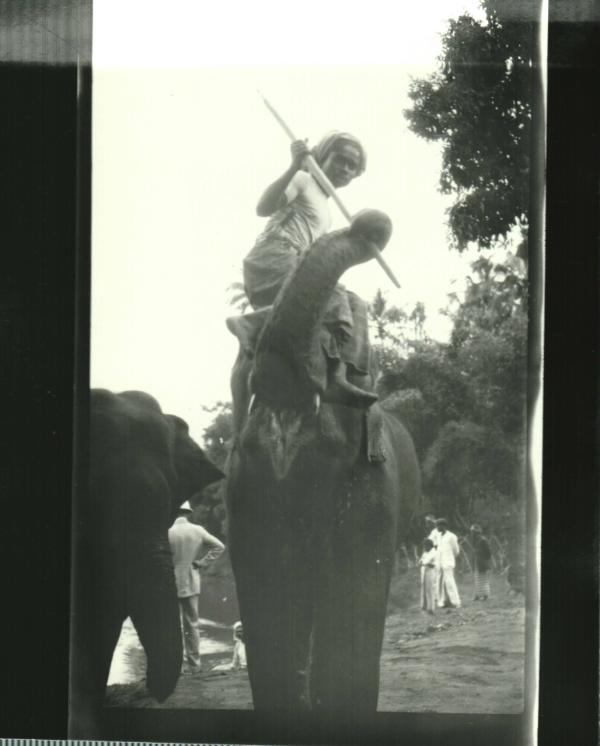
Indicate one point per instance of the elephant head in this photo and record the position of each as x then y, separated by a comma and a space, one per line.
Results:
142, 465
280, 397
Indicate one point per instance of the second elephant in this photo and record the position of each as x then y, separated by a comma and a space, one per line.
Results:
142, 465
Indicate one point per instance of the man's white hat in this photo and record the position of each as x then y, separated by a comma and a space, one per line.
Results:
186, 506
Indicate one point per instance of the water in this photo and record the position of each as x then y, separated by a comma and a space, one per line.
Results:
129, 659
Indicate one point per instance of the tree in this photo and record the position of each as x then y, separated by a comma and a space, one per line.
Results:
496, 365
237, 297
430, 369
418, 316
495, 292
477, 105
489, 343
409, 406
388, 322
455, 468
209, 509
464, 401
218, 434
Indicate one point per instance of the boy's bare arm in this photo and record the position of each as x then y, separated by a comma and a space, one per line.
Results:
274, 196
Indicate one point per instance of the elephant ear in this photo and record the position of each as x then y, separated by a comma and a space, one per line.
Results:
194, 469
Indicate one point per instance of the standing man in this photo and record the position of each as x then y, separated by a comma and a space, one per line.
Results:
431, 525
482, 563
448, 551
189, 543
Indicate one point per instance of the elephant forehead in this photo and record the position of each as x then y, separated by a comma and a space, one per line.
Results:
276, 429
285, 426
309, 438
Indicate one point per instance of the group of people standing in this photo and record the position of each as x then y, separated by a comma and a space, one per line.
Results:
438, 562
194, 547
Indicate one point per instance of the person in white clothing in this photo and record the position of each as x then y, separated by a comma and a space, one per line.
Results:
428, 563
447, 552
434, 534
189, 543
434, 537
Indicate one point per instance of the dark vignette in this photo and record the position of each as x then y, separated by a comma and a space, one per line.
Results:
44, 306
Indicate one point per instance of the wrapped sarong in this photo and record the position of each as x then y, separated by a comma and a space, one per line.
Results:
428, 588
345, 332
482, 583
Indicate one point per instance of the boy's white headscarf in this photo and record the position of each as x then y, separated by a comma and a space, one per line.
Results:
326, 145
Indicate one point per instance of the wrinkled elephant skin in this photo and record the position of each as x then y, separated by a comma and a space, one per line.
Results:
313, 524
143, 465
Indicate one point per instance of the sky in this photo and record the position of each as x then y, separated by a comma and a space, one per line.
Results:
183, 147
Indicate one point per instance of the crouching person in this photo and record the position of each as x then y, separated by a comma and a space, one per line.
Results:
239, 648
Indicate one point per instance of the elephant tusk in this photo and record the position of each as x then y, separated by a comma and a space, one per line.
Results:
317, 402
252, 403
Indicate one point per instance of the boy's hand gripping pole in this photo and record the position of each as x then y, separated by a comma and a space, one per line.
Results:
328, 187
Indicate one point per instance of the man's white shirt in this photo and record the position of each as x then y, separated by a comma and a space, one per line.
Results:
188, 543
448, 550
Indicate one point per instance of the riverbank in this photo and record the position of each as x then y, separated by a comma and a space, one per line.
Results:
468, 660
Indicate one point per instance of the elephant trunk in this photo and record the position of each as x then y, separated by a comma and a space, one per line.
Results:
154, 611
290, 333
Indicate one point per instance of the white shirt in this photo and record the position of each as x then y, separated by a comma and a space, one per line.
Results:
435, 536
188, 542
448, 550
305, 217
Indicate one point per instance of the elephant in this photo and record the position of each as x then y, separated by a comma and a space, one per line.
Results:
313, 522
142, 465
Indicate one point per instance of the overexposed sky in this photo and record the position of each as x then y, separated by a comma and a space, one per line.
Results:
183, 147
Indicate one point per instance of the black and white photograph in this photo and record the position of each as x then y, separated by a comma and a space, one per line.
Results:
298, 310
312, 478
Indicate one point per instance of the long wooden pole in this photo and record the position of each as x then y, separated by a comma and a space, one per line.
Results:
328, 187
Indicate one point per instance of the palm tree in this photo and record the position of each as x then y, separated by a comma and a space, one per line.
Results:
237, 297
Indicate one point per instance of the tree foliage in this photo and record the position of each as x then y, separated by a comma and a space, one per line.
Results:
464, 401
388, 323
495, 293
393, 329
237, 297
472, 390
477, 105
489, 343
218, 434
409, 406
430, 370
209, 505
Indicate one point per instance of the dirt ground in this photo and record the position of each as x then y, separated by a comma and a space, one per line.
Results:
468, 660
